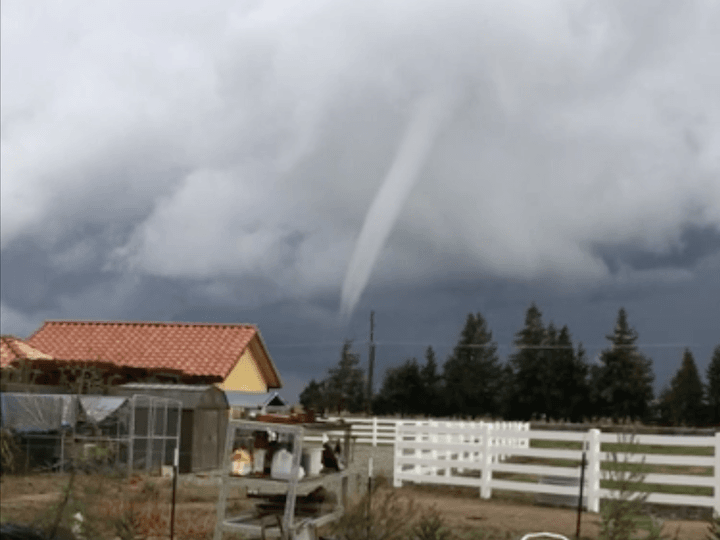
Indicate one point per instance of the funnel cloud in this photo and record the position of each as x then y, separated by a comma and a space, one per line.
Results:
204, 161
390, 199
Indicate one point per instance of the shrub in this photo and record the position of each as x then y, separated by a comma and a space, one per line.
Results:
714, 528
390, 517
623, 515
431, 527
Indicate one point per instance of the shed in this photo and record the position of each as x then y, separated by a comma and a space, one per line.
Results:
203, 422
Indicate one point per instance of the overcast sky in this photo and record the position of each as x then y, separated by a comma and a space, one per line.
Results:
216, 162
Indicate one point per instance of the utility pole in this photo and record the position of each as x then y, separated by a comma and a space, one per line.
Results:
371, 362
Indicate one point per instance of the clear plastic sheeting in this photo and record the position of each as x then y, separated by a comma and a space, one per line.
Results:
27, 413
99, 408
93, 433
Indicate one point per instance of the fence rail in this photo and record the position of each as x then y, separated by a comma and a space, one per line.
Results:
383, 431
470, 454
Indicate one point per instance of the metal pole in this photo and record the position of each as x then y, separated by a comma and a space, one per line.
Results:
164, 435
150, 429
131, 435
177, 429
580, 503
62, 451
369, 495
176, 463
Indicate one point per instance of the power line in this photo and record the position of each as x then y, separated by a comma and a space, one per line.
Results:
478, 346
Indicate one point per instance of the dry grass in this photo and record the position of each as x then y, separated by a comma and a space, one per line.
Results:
140, 506
135, 507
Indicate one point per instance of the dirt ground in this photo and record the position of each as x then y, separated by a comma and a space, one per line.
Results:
26, 499
521, 518
513, 512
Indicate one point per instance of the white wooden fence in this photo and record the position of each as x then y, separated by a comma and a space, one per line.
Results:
377, 431
469, 454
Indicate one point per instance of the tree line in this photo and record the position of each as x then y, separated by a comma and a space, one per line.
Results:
546, 377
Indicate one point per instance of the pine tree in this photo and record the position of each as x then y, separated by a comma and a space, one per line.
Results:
431, 383
569, 387
345, 389
684, 398
313, 397
473, 374
401, 391
530, 375
713, 388
624, 378
552, 356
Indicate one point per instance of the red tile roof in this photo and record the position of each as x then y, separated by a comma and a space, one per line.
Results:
195, 349
12, 348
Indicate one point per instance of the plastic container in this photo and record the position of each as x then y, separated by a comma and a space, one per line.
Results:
282, 465
259, 460
312, 461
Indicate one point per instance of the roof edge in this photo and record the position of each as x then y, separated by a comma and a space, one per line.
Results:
272, 362
161, 323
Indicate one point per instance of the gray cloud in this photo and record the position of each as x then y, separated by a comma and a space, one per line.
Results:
574, 128
232, 151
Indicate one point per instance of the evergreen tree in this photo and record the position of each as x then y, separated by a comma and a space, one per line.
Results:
530, 374
568, 387
401, 391
552, 357
684, 398
713, 388
662, 410
624, 378
345, 389
507, 378
431, 384
313, 397
473, 374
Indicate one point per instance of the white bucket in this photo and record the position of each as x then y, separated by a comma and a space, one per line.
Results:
312, 461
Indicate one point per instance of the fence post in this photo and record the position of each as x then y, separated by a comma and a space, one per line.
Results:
396, 455
593, 470
493, 441
433, 451
716, 473
486, 475
374, 432
478, 441
505, 441
458, 438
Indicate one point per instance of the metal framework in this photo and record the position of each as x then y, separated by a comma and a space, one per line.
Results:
93, 432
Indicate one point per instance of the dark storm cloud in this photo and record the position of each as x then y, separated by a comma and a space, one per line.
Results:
694, 244
185, 160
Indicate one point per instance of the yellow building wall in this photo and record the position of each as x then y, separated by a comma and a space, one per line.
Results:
245, 376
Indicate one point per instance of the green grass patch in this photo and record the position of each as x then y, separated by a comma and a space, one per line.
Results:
658, 449
658, 469
625, 447
560, 445
661, 488
515, 477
